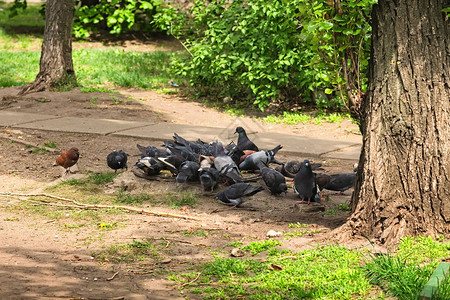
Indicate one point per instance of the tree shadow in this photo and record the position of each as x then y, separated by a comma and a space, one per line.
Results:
32, 274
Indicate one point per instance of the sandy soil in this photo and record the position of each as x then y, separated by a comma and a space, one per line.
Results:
41, 259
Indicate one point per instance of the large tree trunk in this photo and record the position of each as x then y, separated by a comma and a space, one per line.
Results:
403, 183
56, 66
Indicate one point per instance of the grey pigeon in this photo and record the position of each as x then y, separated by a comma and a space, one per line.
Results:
244, 142
150, 166
305, 183
260, 159
209, 178
188, 171
226, 166
117, 160
152, 151
290, 168
274, 180
336, 182
233, 194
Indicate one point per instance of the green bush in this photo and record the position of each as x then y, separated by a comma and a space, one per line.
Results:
119, 16
265, 52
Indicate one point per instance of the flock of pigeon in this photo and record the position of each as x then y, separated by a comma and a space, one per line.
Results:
211, 163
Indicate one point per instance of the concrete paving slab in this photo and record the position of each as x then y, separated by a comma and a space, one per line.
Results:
83, 125
351, 152
11, 118
292, 144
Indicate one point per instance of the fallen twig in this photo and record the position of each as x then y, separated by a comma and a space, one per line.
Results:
112, 277
97, 206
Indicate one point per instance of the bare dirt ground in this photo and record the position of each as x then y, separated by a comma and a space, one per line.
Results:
42, 258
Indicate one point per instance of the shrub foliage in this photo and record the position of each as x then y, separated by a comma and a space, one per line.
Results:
267, 52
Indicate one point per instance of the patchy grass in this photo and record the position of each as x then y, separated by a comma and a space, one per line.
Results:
138, 250
177, 200
330, 272
324, 272
293, 118
126, 198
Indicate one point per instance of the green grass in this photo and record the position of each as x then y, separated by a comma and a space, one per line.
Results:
293, 118
22, 32
330, 272
177, 200
125, 198
131, 252
399, 273
324, 272
261, 246
51, 144
96, 70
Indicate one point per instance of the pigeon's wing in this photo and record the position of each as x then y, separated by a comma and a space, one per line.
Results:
341, 182
322, 180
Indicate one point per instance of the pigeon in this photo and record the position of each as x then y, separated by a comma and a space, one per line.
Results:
152, 151
235, 153
244, 142
205, 161
336, 182
290, 168
260, 159
226, 166
246, 153
183, 151
68, 158
150, 166
209, 178
117, 160
274, 180
305, 183
233, 194
171, 163
188, 171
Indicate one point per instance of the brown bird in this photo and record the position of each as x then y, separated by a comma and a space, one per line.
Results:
68, 158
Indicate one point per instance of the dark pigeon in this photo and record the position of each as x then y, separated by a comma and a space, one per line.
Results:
188, 171
233, 194
209, 178
150, 166
234, 152
244, 142
117, 160
181, 151
260, 159
274, 180
305, 183
171, 163
152, 151
336, 182
226, 166
290, 168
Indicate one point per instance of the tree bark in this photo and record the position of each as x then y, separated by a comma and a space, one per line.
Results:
56, 66
403, 183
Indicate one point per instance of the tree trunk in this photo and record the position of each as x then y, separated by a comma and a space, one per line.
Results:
403, 183
56, 66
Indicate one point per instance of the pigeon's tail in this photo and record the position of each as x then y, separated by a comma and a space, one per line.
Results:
276, 149
252, 190
169, 166
142, 149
